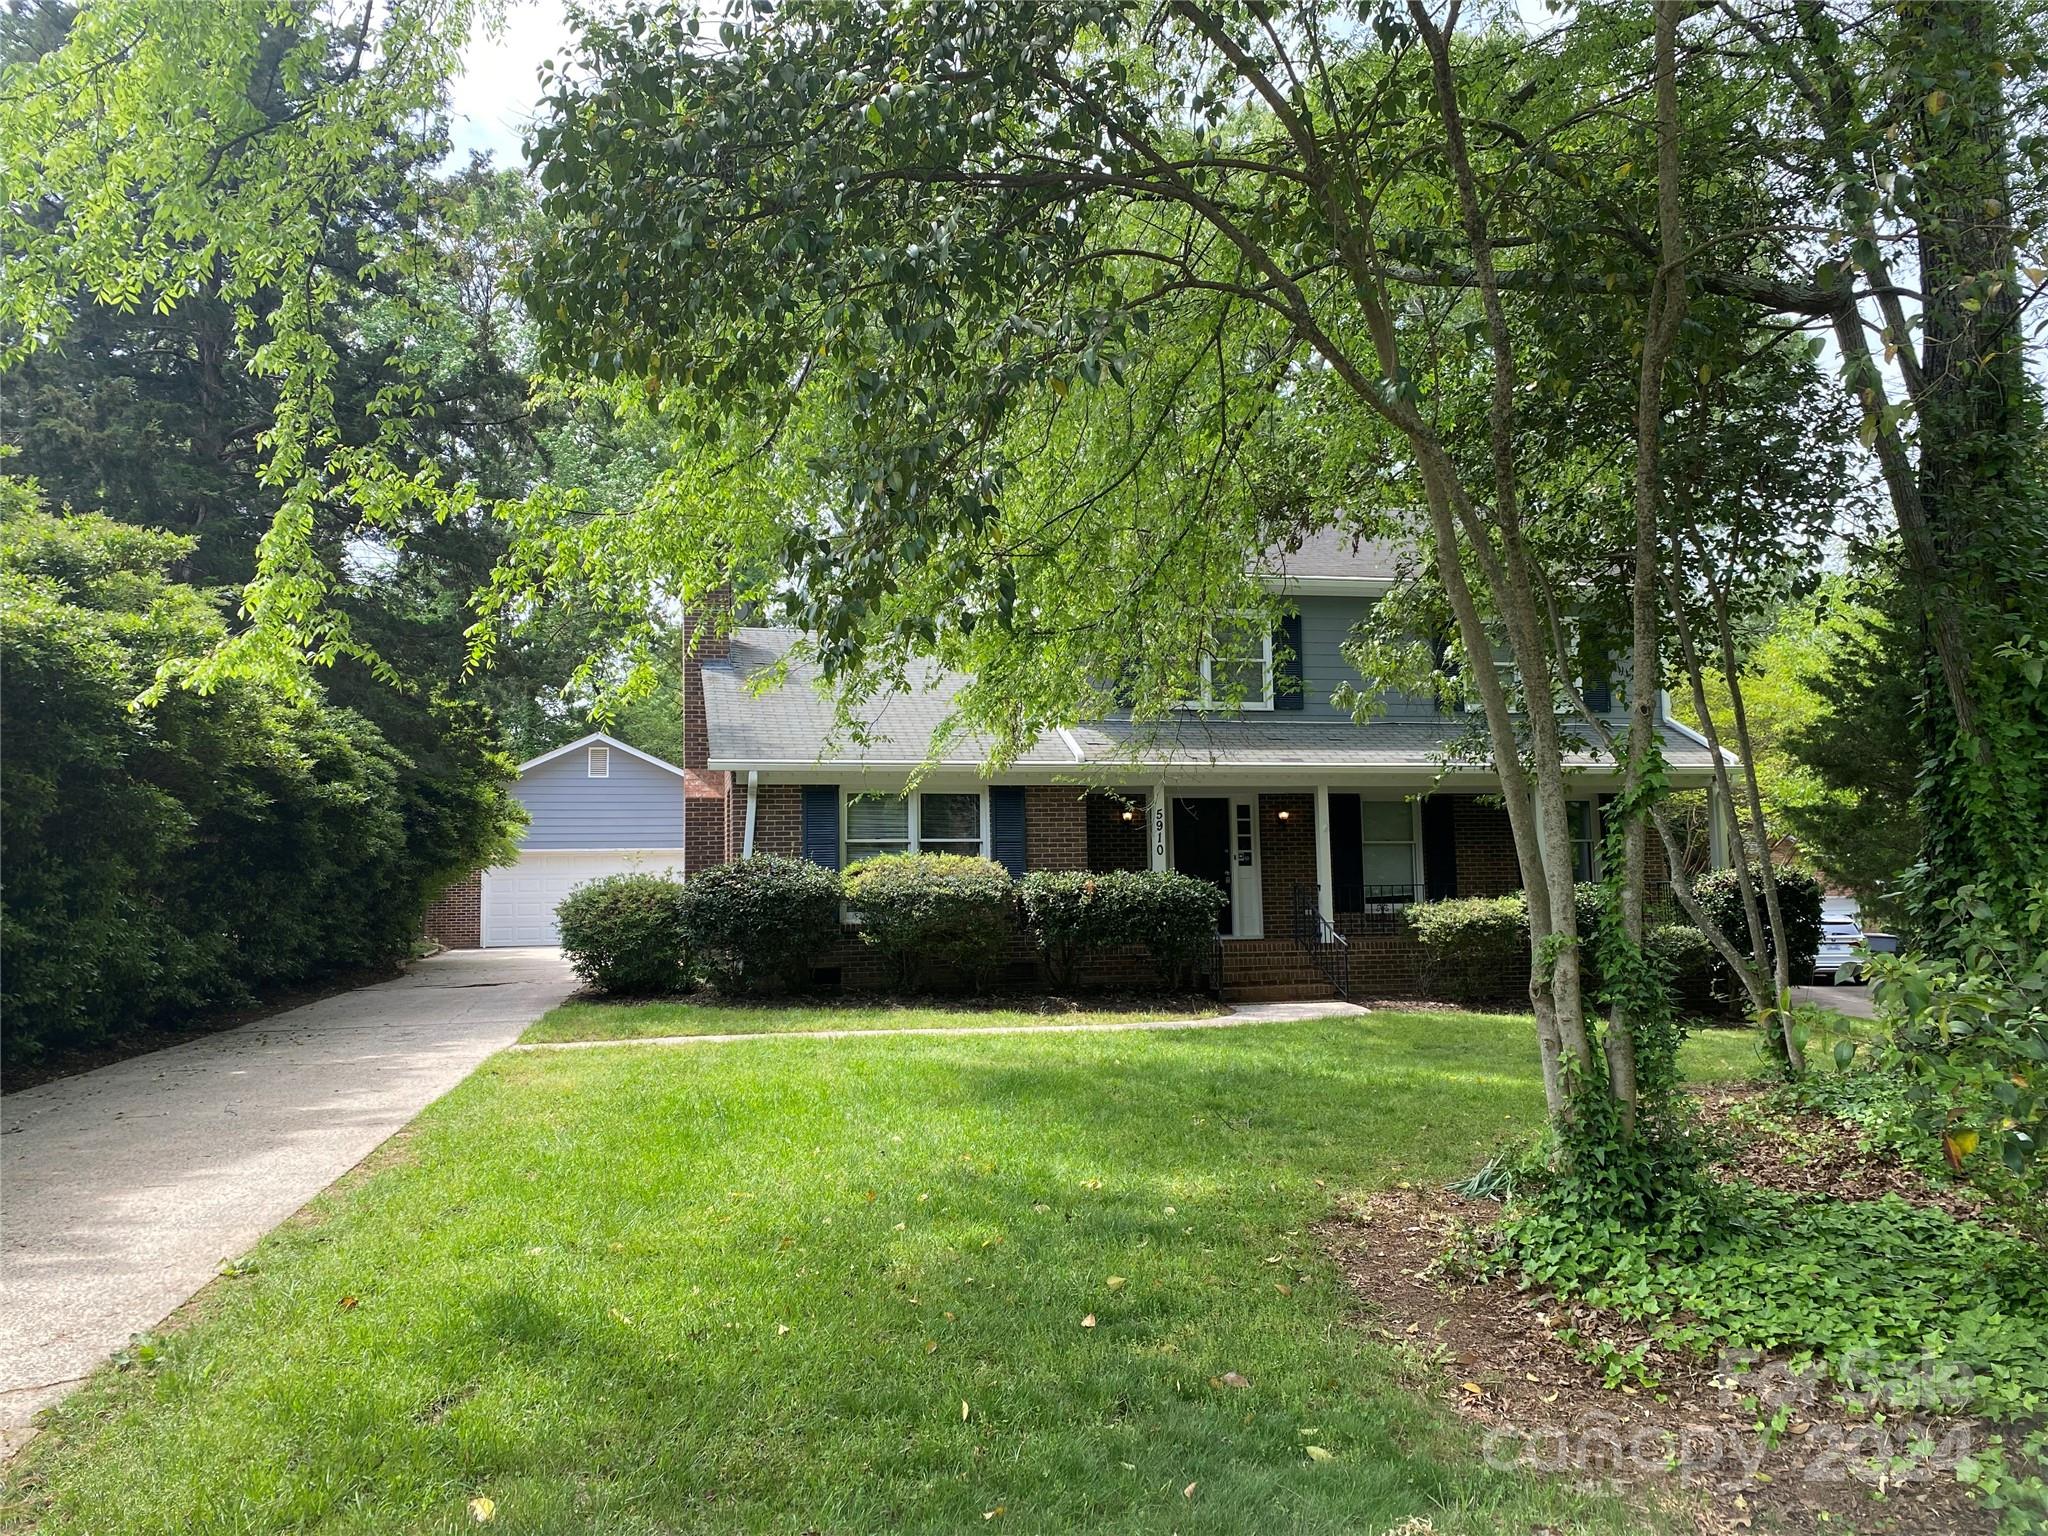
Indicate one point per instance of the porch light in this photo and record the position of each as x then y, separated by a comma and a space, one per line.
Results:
1283, 815
1130, 814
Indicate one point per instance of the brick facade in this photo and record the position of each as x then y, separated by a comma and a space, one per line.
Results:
1487, 865
1056, 827
1287, 855
778, 818
1112, 842
456, 919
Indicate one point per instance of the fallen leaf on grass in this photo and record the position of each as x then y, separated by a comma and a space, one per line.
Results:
1188, 1492
781, 1329
931, 1346
990, 1514
965, 1411
1088, 1321
1116, 1282
1474, 1388
1317, 1453
1232, 1379
483, 1510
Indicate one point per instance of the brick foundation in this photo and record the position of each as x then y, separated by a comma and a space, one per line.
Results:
456, 919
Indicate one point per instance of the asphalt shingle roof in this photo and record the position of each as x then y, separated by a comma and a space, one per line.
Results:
792, 724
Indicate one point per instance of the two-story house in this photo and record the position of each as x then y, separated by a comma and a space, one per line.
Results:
1278, 797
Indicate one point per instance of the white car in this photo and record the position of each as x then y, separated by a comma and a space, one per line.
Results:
1840, 957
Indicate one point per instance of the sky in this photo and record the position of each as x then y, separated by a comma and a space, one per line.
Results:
491, 100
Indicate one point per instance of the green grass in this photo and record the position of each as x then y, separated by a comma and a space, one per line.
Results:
749, 1288
640, 1021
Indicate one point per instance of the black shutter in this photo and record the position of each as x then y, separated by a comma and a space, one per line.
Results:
1288, 692
1347, 854
1599, 696
821, 824
1006, 827
1439, 849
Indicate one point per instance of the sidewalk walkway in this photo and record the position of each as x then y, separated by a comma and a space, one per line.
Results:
1237, 1018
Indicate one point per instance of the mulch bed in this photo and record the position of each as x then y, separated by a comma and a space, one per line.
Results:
1680, 1435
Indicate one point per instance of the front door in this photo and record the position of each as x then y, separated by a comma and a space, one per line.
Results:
1201, 845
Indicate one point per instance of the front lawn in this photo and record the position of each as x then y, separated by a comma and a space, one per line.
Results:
641, 1021
931, 1284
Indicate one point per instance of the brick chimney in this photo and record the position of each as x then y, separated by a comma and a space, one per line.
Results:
707, 636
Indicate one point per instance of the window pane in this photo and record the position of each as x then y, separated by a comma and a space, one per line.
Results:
877, 819
1386, 821
1389, 864
949, 819
1238, 680
1575, 817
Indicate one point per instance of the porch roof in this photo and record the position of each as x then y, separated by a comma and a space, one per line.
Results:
790, 728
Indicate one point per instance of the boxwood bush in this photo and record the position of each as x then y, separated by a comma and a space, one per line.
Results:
1071, 913
934, 915
624, 934
761, 924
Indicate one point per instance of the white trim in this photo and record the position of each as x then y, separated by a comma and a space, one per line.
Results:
1073, 746
1326, 586
599, 738
753, 794
1208, 703
1326, 896
1157, 822
592, 757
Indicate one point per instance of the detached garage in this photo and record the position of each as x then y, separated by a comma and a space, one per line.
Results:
595, 807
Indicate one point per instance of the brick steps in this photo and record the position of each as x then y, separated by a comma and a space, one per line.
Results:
1270, 971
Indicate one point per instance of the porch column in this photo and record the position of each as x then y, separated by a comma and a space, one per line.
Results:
1155, 826
1326, 893
1717, 831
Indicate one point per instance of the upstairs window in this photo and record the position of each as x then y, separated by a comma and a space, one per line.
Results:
598, 764
1240, 674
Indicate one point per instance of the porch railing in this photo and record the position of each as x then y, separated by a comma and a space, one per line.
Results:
1326, 948
1375, 909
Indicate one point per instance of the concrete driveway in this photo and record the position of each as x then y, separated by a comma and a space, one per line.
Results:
121, 1190
1854, 1001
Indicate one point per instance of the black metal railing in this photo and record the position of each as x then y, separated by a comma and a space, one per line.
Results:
1373, 909
1328, 949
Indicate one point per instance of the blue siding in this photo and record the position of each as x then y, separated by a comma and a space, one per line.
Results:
639, 806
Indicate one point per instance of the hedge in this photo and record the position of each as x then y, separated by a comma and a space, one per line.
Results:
1475, 949
1071, 913
934, 916
170, 861
624, 934
760, 924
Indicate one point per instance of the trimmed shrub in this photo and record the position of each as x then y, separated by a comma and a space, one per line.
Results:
761, 924
1064, 914
624, 934
1798, 900
1172, 915
1071, 913
930, 913
1475, 949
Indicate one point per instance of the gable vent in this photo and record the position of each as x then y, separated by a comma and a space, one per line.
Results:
600, 762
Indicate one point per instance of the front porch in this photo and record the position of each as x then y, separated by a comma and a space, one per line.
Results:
1318, 878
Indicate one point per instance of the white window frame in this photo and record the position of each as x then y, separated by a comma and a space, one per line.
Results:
1591, 810
913, 808
1414, 838
1208, 700
595, 755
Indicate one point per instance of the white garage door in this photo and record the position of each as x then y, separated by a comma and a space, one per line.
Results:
519, 901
